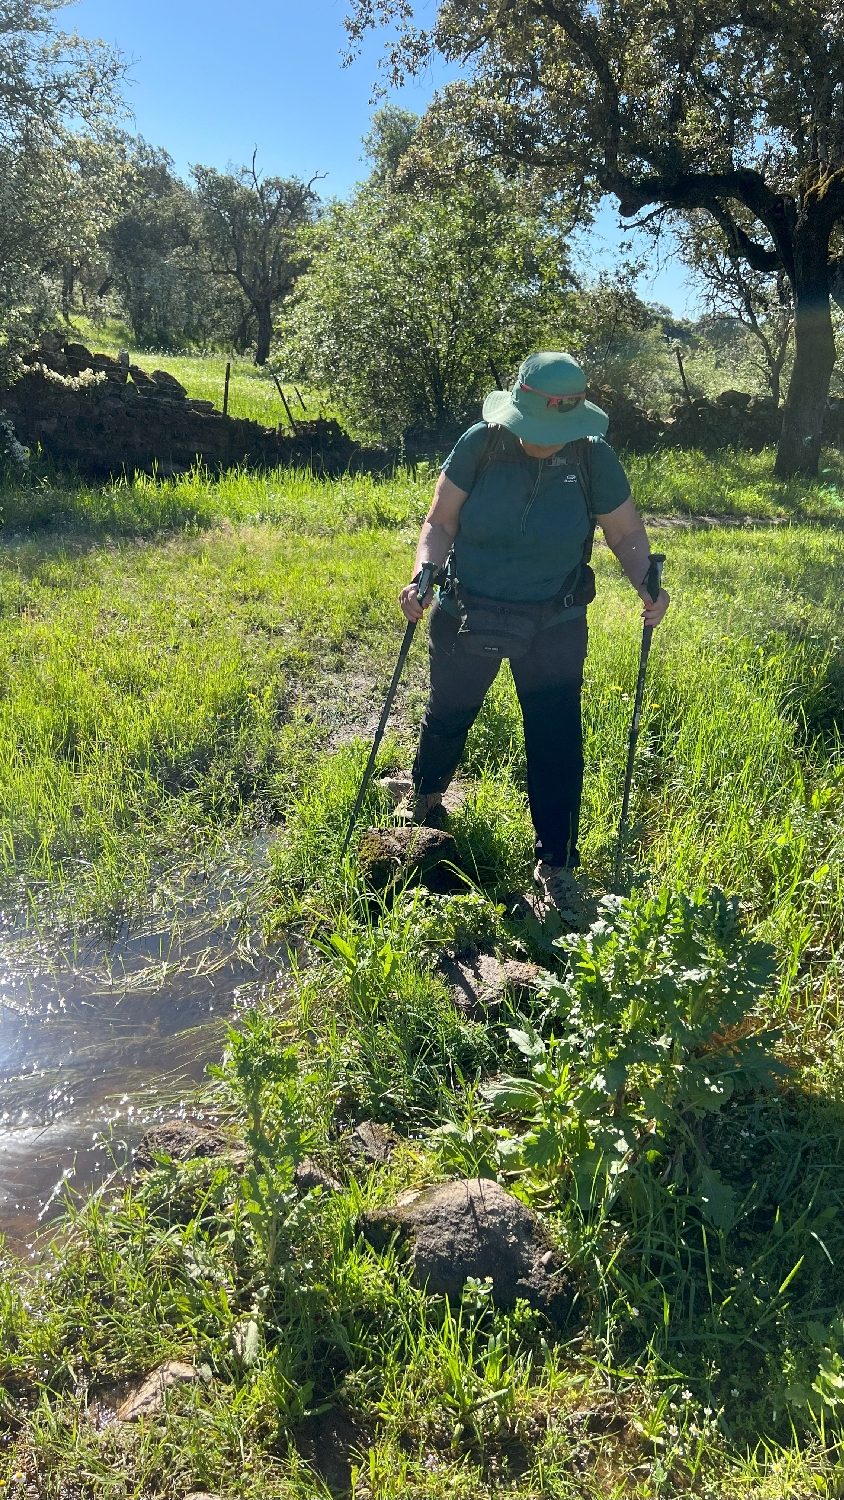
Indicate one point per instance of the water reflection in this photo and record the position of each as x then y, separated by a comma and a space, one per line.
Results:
97, 1041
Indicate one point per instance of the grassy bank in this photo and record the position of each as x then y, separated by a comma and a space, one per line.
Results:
186, 659
252, 392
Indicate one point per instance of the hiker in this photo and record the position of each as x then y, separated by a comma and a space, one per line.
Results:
513, 513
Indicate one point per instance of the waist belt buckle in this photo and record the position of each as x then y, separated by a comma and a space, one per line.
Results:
568, 601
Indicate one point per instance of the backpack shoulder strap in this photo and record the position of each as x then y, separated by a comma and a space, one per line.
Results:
582, 458
492, 440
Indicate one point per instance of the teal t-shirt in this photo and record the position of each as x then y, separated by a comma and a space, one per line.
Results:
524, 525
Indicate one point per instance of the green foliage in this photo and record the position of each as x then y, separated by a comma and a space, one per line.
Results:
168, 296
265, 1080
252, 236
389, 140
411, 301
403, 1049
641, 1044
458, 923
160, 695
62, 165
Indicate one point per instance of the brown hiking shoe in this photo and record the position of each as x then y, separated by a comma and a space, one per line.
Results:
421, 807
557, 886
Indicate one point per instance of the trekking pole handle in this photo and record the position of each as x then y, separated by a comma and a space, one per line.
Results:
424, 579
653, 578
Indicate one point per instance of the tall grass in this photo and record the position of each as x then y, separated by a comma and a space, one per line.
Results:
183, 659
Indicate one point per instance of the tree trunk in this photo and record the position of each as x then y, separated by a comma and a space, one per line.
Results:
68, 286
814, 358
264, 315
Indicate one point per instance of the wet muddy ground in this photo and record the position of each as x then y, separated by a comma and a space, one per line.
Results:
99, 1040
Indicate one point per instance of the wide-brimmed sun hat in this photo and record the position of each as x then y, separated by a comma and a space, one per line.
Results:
547, 404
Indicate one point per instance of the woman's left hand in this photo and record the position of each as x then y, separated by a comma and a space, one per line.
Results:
655, 609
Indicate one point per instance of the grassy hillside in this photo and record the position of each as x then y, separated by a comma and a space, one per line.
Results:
184, 660
252, 392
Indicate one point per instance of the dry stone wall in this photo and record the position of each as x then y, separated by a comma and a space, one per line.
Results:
106, 416
734, 419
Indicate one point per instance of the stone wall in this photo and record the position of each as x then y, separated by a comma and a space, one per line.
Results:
735, 419
106, 416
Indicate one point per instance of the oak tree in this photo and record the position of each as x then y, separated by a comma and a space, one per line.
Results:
253, 234
753, 301
732, 107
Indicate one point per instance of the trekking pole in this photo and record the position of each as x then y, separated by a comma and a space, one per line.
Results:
426, 578
653, 582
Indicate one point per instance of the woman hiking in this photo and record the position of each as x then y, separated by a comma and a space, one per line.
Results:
513, 513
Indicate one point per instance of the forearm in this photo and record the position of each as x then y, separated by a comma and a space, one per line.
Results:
435, 543
633, 552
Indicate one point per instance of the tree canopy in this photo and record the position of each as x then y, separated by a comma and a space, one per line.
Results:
252, 234
414, 302
61, 160
735, 109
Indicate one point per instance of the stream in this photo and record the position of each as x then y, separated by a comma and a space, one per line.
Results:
100, 1040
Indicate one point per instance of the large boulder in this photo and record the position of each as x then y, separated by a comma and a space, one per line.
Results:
475, 1228
481, 982
389, 855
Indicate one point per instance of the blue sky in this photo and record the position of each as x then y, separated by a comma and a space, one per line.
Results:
212, 79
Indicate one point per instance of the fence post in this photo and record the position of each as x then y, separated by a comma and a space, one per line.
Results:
284, 400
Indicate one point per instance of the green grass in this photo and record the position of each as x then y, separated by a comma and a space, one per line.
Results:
252, 392
186, 659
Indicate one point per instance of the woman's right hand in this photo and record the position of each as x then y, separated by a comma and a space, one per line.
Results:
410, 606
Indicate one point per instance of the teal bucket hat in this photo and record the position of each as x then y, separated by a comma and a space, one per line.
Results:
547, 404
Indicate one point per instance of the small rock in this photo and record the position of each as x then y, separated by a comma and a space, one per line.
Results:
389, 854
397, 787
148, 1397
475, 1228
177, 1139
142, 380
372, 1141
168, 383
309, 1175
78, 358
111, 368
483, 982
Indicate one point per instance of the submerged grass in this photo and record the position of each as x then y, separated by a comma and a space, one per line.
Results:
180, 659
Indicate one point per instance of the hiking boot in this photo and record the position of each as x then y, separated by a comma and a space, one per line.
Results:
557, 887
397, 787
422, 807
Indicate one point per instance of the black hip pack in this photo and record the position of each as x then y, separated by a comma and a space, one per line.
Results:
500, 628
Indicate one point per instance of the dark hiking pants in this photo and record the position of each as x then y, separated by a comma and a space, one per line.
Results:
548, 682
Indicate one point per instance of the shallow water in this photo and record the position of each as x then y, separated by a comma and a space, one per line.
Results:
97, 1041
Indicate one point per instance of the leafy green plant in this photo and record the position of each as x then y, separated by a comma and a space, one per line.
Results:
265, 1079
403, 1046
645, 1036
465, 921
